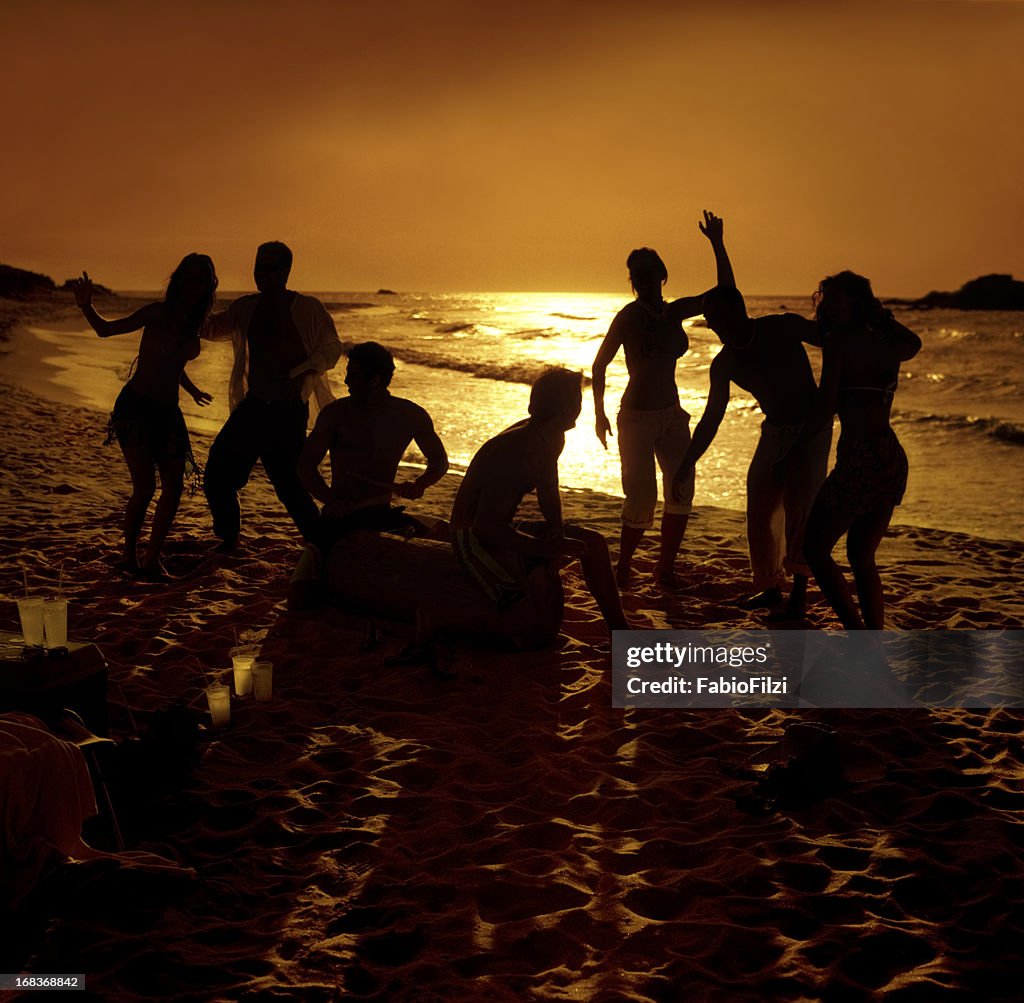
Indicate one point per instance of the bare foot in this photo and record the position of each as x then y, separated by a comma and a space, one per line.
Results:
667, 577
624, 576
154, 572
762, 600
791, 613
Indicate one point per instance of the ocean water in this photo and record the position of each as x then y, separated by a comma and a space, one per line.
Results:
469, 359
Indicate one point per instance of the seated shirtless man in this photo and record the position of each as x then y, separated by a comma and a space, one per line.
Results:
516, 566
366, 435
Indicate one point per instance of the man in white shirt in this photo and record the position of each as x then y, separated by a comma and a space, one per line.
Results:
284, 343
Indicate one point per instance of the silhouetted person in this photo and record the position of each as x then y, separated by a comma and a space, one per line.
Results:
651, 424
861, 355
284, 342
766, 357
366, 435
515, 566
147, 422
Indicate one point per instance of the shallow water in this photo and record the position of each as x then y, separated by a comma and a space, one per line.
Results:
469, 359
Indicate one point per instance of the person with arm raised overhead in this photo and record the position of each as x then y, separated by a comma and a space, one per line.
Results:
766, 357
651, 425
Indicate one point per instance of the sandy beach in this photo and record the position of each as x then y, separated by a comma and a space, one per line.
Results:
377, 833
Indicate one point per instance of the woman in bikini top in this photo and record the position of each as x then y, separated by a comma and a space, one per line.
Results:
862, 350
863, 347
650, 332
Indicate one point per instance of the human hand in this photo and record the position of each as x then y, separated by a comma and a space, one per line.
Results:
604, 429
410, 490
553, 542
82, 288
713, 228
684, 474
201, 397
880, 319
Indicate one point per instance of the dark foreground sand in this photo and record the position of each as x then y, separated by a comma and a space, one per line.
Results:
378, 833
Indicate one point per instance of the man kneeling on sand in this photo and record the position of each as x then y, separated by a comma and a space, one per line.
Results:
515, 566
366, 434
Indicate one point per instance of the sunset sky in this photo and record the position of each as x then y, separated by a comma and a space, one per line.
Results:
514, 146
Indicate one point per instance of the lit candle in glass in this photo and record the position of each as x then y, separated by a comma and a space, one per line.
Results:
218, 695
243, 673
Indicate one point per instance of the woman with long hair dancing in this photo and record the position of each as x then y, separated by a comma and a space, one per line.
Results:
146, 421
862, 350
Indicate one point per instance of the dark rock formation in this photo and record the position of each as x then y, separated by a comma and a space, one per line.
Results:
989, 292
16, 283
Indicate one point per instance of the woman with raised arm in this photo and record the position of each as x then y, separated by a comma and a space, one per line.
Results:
862, 350
651, 424
146, 421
